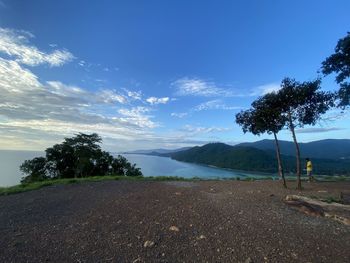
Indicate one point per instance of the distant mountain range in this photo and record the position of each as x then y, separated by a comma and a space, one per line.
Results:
157, 151
328, 156
324, 149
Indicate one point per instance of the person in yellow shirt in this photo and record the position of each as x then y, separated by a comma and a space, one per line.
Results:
309, 170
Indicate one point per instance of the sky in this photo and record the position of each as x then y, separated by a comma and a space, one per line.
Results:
158, 74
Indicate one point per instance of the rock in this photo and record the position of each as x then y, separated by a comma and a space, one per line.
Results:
148, 243
202, 237
174, 228
335, 211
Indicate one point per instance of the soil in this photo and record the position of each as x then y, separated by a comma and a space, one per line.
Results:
204, 221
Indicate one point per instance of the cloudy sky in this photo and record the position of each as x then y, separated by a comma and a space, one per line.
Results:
150, 74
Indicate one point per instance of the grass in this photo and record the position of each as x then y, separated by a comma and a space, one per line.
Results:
37, 185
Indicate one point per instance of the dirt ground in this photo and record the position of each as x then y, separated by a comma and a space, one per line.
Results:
204, 221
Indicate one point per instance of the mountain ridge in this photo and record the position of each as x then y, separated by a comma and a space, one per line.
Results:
248, 158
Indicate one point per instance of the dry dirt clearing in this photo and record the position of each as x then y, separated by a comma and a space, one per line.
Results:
204, 221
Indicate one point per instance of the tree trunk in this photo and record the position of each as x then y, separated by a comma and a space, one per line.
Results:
291, 127
280, 167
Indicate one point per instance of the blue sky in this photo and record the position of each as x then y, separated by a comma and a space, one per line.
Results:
150, 74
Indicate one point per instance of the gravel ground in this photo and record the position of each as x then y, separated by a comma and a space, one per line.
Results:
205, 221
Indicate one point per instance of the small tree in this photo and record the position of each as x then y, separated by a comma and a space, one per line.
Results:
264, 117
339, 63
78, 156
302, 104
35, 168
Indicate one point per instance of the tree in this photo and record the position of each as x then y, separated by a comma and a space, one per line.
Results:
78, 156
35, 168
339, 63
264, 117
302, 104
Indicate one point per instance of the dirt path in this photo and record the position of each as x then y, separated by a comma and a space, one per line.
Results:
209, 221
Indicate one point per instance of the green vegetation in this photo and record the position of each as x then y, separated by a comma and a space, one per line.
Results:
252, 159
296, 104
24, 187
77, 157
339, 63
263, 118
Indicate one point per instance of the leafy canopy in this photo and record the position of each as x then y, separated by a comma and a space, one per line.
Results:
303, 103
79, 156
264, 116
339, 63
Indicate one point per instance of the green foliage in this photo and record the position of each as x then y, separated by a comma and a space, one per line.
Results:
339, 63
252, 159
303, 103
24, 187
77, 157
35, 168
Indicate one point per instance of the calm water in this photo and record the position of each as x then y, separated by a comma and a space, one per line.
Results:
150, 166
9, 165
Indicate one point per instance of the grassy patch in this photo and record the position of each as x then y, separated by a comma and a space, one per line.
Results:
37, 185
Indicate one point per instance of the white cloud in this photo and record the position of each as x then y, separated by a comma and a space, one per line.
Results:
111, 96
14, 43
318, 130
154, 100
29, 108
199, 87
215, 105
266, 88
14, 78
197, 130
137, 116
179, 115
135, 95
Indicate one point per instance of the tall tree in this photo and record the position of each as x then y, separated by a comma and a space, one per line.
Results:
264, 117
302, 104
339, 63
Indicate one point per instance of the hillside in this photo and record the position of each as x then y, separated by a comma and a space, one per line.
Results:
253, 159
324, 149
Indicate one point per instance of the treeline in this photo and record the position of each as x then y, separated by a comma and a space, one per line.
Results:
298, 104
252, 159
77, 157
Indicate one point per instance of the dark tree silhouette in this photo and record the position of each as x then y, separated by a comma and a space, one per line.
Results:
302, 104
339, 63
265, 117
79, 156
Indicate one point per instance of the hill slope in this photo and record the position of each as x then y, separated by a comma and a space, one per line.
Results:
324, 149
253, 159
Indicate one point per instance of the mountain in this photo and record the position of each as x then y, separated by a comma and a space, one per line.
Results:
253, 159
324, 149
157, 151
226, 156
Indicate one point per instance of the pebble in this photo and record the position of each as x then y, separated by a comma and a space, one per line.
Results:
148, 243
174, 228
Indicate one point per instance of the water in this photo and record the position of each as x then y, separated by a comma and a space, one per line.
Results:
150, 166
9, 165
159, 166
